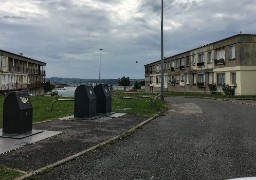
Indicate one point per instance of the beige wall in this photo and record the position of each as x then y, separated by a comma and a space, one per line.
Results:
248, 79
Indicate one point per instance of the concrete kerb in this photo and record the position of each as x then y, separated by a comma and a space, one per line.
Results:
87, 151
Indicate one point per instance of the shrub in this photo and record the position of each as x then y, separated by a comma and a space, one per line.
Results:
228, 90
213, 88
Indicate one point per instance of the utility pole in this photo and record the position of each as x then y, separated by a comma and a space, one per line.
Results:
162, 54
100, 64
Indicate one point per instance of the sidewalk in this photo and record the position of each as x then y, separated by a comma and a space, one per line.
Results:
76, 136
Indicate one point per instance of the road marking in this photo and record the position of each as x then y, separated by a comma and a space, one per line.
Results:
185, 108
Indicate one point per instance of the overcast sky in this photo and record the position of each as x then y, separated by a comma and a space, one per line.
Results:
67, 34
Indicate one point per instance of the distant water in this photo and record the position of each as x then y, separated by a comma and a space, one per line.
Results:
66, 91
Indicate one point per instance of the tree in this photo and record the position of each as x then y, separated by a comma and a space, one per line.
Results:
136, 85
124, 81
142, 83
48, 86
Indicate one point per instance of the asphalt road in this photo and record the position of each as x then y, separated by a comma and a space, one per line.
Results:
195, 139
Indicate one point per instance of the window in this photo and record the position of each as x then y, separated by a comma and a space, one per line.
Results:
220, 54
209, 56
3, 61
201, 78
177, 63
173, 80
233, 78
169, 64
157, 68
182, 78
187, 61
201, 58
232, 52
177, 79
150, 69
173, 64
220, 79
182, 62
210, 78
193, 60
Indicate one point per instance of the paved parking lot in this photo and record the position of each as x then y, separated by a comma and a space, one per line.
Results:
214, 140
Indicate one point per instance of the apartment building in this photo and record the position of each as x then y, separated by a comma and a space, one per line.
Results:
18, 72
229, 61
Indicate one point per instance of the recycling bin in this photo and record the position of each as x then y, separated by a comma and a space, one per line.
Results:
17, 113
103, 99
85, 102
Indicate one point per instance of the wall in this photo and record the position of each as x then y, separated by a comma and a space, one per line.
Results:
248, 80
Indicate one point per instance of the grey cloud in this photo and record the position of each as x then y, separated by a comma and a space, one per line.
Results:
69, 38
13, 17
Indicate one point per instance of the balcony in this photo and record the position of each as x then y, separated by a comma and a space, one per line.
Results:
13, 86
219, 61
14, 69
43, 73
200, 64
182, 67
35, 84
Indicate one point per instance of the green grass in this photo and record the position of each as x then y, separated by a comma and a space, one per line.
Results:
6, 173
42, 106
138, 106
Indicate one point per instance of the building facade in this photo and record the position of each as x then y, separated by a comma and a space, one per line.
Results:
18, 72
229, 61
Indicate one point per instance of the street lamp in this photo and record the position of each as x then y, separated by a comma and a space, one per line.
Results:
100, 64
162, 54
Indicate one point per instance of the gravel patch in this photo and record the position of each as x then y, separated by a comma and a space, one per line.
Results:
75, 137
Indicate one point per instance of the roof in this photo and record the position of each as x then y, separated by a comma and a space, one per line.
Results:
237, 35
20, 57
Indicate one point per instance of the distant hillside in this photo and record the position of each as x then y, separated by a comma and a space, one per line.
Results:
58, 80
70, 81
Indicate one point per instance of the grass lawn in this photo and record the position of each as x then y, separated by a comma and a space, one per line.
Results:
42, 106
6, 173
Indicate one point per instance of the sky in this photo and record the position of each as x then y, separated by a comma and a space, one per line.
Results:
68, 34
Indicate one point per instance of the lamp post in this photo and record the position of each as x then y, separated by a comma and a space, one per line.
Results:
100, 64
162, 54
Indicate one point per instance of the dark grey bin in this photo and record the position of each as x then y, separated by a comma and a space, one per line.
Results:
17, 113
85, 102
103, 98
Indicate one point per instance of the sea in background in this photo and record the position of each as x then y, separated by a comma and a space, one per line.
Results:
69, 91
66, 91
